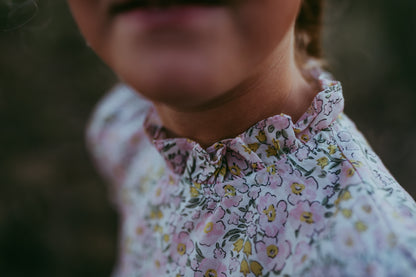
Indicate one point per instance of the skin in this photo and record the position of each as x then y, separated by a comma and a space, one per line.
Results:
210, 79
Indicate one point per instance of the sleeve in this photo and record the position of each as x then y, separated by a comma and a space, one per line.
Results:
115, 132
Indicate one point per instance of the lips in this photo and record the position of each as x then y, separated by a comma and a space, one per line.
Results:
128, 5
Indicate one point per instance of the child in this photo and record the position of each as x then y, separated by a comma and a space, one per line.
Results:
246, 165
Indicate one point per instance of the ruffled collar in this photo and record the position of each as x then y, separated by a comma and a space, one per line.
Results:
261, 146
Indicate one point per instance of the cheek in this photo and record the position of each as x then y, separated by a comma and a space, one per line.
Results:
263, 24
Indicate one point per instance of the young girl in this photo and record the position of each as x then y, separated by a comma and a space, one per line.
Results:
246, 165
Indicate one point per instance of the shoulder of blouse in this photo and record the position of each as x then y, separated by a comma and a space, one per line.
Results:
114, 132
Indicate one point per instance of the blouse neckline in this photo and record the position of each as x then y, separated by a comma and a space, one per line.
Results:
259, 146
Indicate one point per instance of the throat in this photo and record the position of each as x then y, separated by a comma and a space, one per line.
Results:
234, 116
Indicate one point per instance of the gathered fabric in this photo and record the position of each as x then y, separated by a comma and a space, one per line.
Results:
284, 198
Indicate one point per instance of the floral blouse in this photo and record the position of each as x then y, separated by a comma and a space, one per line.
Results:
282, 199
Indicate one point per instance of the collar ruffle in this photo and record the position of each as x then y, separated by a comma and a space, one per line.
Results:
261, 146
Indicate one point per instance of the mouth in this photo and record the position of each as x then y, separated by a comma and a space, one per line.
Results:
129, 5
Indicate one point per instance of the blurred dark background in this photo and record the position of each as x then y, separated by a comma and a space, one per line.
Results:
55, 217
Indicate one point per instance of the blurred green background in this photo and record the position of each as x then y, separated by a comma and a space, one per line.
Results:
55, 217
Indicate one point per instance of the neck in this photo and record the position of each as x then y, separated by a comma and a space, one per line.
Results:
277, 87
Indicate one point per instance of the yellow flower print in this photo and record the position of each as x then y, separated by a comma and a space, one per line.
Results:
218, 145
307, 217
256, 268
272, 169
271, 151
194, 192
322, 162
270, 212
238, 245
139, 230
158, 192
181, 249
158, 229
229, 190
367, 208
350, 172
261, 137
220, 171
157, 264
305, 137
356, 163
297, 188
304, 258
360, 226
272, 251
344, 196
156, 214
247, 248
347, 213
166, 238
254, 146
247, 149
276, 144
235, 170
209, 227
211, 273
332, 149
244, 268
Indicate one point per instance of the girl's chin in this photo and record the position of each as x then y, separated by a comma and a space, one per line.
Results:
180, 92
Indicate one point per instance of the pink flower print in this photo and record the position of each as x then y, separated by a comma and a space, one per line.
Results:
302, 153
158, 267
211, 227
280, 122
252, 230
348, 174
331, 269
332, 177
302, 254
329, 191
211, 268
207, 192
249, 216
283, 167
301, 189
211, 205
236, 164
189, 226
196, 214
307, 217
181, 247
233, 219
194, 264
219, 253
229, 194
159, 195
262, 179
275, 182
273, 214
348, 241
141, 231
254, 192
234, 264
272, 254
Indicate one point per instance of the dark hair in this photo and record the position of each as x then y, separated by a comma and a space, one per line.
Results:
309, 30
